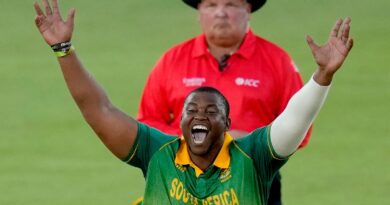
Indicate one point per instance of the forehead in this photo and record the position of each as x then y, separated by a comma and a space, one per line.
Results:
204, 98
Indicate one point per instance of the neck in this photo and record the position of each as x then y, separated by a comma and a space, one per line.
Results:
218, 47
206, 160
202, 163
218, 51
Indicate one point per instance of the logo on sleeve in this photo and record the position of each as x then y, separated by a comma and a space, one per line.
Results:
247, 82
191, 82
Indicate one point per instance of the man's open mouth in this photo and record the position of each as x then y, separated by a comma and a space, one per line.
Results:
199, 133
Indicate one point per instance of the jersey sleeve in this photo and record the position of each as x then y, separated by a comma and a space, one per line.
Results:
148, 141
290, 83
259, 148
154, 107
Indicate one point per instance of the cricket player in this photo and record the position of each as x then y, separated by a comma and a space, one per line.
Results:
256, 75
205, 166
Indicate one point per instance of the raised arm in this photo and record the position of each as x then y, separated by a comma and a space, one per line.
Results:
116, 130
289, 129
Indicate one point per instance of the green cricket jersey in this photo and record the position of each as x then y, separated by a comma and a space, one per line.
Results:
241, 174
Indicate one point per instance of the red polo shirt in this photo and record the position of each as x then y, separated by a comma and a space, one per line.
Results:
258, 81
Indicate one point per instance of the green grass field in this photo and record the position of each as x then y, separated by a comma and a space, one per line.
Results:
48, 154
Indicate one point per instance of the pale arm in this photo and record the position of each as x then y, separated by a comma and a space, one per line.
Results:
290, 127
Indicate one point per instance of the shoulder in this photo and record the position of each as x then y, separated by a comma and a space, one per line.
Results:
269, 46
154, 136
183, 48
279, 60
253, 140
174, 57
254, 135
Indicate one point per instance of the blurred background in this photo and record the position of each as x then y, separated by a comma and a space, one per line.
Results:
49, 155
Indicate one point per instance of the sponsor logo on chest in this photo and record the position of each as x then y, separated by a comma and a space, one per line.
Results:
247, 82
195, 81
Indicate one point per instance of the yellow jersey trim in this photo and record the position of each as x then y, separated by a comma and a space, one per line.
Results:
222, 161
138, 201
166, 144
134, 152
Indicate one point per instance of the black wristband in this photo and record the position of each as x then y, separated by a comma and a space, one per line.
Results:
62, 47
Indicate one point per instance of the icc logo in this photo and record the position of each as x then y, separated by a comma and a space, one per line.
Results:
247, 82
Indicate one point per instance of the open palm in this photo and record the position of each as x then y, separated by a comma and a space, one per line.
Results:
331, 55
51, 25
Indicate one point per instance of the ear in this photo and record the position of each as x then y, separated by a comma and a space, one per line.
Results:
248, 8
228, 123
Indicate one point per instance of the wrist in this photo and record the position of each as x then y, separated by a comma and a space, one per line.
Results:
322, 78
63, 49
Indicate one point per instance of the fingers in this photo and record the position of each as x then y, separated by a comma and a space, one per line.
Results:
349, 44
345, 31
342, 35
56, 11
313, 46
345, 34
38, 9
39, 20
47, 7
70, 18
347, 20
336, 28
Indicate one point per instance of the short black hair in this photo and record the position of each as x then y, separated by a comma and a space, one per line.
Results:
208, 89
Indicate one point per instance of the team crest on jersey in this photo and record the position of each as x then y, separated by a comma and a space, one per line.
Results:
181, 168
195, 81
225, 175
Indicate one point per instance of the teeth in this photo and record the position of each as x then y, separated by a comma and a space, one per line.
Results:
200, 127
199, 133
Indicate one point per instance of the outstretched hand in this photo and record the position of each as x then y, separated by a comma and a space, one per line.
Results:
331, 55
51, 25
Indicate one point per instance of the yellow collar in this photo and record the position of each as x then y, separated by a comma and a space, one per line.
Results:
222, 161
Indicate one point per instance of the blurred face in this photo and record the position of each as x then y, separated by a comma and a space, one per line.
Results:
204, 123
224, 22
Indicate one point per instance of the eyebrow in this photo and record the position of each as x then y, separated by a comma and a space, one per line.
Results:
207, 106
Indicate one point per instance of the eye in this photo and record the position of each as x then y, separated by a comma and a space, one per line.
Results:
211, 111
191, 110
211, 5
232, 4
208, 5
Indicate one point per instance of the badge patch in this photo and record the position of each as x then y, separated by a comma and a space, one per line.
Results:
225, 175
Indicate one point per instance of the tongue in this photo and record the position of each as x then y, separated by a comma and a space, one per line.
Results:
199, 137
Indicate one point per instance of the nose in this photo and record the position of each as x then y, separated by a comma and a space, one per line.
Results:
221, 11
200, 116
